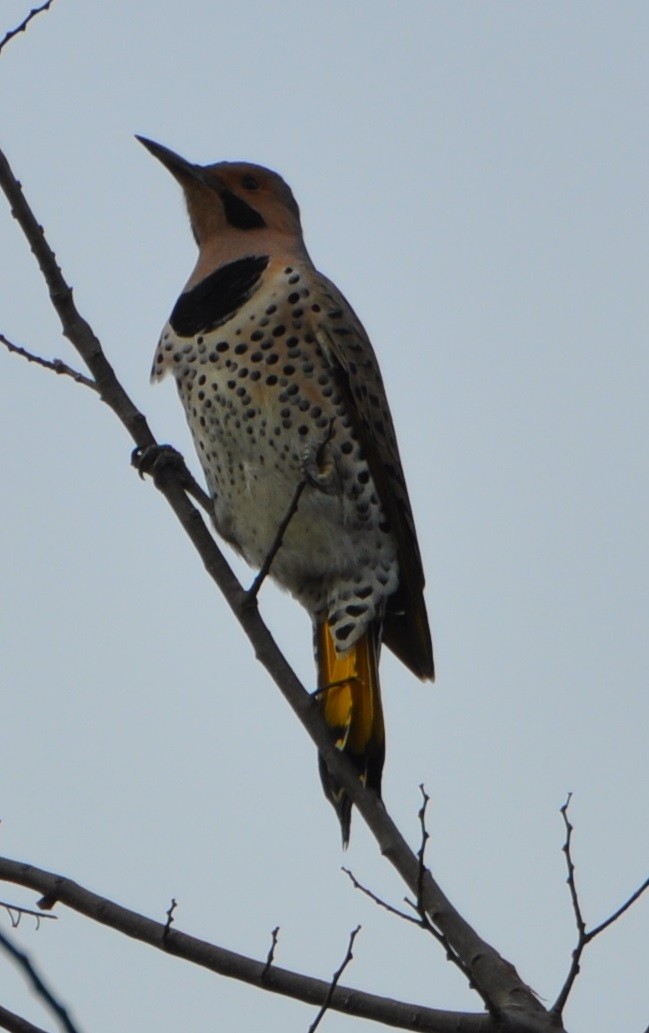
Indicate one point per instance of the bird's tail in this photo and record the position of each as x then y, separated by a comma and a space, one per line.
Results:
350, 696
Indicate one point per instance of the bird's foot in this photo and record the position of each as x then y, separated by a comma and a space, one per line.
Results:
159, 461
319, 466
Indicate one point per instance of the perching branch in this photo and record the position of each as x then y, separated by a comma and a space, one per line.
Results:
496, 979
513, 1006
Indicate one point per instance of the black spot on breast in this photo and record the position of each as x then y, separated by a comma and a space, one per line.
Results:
217, 297
344, 632
365, 592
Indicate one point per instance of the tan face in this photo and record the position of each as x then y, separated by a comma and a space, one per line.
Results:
240, 197
236, 209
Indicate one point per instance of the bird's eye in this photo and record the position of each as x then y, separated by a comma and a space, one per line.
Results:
249, 183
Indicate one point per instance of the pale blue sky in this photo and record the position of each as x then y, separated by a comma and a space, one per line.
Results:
474, 178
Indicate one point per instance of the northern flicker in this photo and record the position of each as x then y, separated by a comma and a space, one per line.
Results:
280, 385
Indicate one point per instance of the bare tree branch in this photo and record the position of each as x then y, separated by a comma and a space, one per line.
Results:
42, 990
377, 900
25, 22
494, 977
334, 982
16, 1024
620, 911
16, 912
584, 936
236, 966
57, 365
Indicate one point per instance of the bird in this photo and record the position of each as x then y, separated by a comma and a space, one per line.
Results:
282, 393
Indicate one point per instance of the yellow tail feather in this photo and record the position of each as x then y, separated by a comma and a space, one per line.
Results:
350, 696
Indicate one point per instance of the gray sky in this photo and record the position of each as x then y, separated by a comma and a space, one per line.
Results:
474, 178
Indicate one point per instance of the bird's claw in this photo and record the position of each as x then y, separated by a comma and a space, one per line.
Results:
155, 460
159, 460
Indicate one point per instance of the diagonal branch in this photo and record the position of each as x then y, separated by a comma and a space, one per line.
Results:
15, 1023
620, 911
377, 900
334, 981
584, 935
25, 22
42, 990
495, 978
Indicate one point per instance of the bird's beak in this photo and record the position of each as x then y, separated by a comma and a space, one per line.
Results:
237, 213
180, 168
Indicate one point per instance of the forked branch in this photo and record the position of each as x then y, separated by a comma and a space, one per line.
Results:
584, 935
513, 1006
495, 978
169, 939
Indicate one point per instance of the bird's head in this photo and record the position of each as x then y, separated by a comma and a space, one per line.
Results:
232, 199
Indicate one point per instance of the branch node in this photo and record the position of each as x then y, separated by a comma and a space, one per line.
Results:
169, 913
271, 954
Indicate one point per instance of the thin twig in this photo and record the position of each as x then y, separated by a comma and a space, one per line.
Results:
253, 591
377, 900
579, 918
16, 912
271, 953
57, 365
620, 911
170, 917
427, 918
421, 854
575, 964
336, 976
23, 961
584, 935
25, 22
